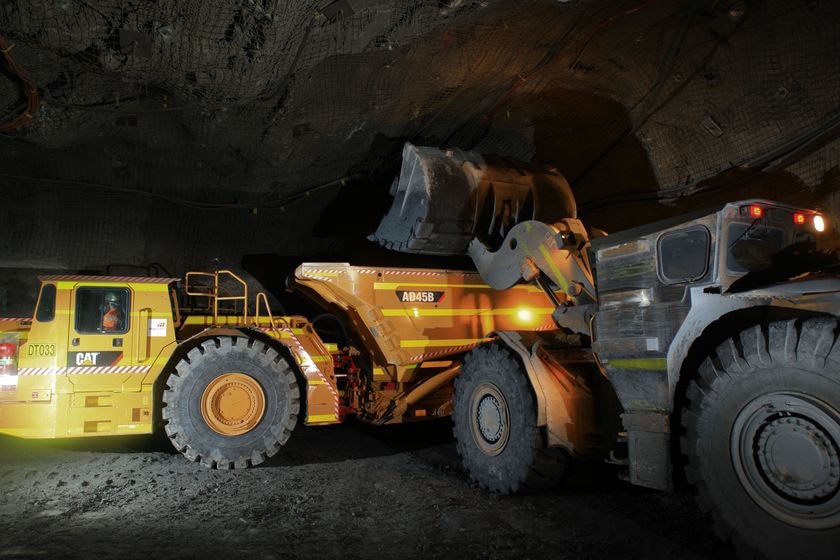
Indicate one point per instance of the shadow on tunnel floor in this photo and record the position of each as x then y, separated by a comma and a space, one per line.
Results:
322, 444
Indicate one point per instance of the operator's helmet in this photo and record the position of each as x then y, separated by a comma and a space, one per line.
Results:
112, 298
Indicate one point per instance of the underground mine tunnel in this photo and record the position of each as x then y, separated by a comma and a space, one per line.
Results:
443, 140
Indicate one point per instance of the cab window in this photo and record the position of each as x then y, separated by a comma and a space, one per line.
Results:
752, 246
684, 255
46, 304
102, 310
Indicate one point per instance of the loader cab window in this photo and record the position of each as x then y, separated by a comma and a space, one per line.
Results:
684, 255
46, 304
752, 246
102, 310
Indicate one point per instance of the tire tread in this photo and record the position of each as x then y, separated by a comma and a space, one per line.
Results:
542, 468
207, 351
806, 344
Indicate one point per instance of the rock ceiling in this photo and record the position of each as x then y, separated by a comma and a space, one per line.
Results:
196, 132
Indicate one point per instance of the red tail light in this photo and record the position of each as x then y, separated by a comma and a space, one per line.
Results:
798, 218
756, 211
8, 358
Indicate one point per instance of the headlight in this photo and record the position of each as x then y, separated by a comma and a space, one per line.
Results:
819, 223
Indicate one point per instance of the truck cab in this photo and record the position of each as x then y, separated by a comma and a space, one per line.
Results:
86, 362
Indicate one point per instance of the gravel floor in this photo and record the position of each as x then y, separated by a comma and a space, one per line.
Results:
337, 492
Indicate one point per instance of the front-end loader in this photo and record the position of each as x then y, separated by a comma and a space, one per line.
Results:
705, 345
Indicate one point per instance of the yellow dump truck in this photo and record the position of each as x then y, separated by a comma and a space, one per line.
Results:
228, 379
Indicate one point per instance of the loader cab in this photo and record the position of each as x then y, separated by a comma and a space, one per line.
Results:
763, 243
645, 277
715, 249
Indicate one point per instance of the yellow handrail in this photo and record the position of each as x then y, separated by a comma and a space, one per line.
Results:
261, 297
214, 296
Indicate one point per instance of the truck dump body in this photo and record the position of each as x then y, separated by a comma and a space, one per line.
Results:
414, 326
412, 316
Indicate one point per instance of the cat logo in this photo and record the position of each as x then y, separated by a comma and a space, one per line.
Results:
86, 358
93, 359
415, 296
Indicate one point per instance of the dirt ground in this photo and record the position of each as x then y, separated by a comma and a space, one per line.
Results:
338, 492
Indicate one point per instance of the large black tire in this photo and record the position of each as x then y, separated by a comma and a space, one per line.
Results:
231, 403
762, 436
494, 423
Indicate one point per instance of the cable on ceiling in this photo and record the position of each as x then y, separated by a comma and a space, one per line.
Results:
30, 91
274, 203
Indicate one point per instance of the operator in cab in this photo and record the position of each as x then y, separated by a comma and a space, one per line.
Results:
112, 314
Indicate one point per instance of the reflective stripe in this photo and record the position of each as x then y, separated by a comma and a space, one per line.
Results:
656, 364
309, 273
421, 312
82, 370
441, 342
447, 351
111, 320
395, 285
564, 284
307, 365
119, 283
325, 359
109, 279
321, 418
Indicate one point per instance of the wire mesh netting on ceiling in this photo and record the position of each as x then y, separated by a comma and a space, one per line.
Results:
249, 106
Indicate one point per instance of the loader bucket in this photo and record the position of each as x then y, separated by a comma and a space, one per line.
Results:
445, 198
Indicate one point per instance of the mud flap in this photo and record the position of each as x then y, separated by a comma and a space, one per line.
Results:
648, 436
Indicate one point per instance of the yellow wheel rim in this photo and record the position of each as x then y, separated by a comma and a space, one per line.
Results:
233, 404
